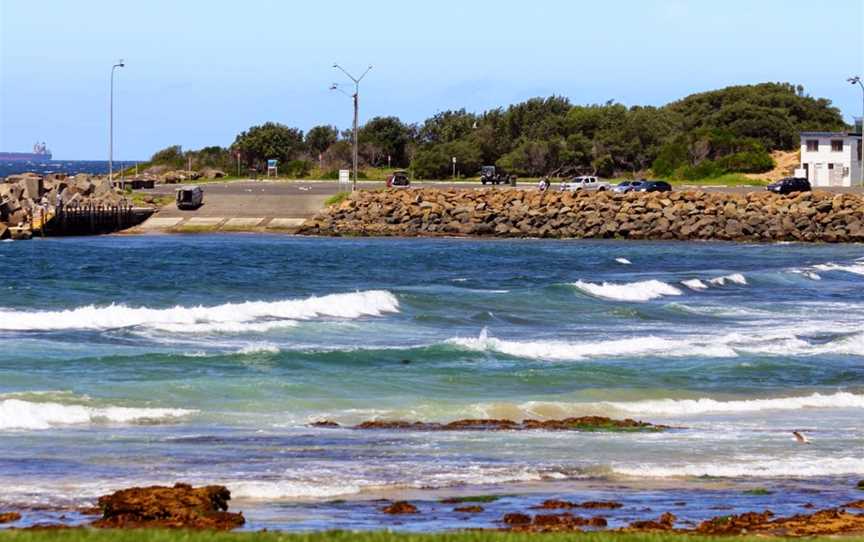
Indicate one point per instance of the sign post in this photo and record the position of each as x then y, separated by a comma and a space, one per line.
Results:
454, 167
271, 166
344, 177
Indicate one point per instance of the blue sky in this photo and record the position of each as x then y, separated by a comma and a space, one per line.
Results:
198, 72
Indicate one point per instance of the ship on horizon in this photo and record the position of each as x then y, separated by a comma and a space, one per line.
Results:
40, 153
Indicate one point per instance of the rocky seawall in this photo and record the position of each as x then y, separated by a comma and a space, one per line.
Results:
685, 215
30, 197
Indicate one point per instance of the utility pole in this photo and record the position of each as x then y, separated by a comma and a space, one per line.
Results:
356, 99
119, 64
856, 80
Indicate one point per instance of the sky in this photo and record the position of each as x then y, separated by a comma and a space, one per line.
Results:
199, 72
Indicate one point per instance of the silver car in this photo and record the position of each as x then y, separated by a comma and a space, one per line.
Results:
586, 182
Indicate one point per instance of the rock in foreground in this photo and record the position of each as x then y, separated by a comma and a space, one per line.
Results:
9, 517
178, 507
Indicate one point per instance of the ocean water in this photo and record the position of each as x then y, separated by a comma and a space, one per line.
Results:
69, 167
139, 360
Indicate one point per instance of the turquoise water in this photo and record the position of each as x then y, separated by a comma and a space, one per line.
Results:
138, 360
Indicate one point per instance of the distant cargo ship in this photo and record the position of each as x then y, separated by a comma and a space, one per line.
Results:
40, 154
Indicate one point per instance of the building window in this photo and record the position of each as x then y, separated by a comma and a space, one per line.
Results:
830, 166
836, 145
812, 145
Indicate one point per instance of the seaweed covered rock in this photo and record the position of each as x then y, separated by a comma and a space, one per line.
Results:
400, 507
585, 423
9, 517
181, 506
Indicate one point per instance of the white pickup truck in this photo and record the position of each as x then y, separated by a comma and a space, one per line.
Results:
585, 182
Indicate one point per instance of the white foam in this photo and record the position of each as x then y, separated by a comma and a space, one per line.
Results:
694, 284
736, 278
564, 350
230, 316
686, 407
259, 348
632, 291
623, 261
19, 414
261, 490
855, 268
761, 468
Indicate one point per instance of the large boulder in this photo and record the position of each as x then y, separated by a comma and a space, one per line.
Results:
83, 184
180, 507
212, 173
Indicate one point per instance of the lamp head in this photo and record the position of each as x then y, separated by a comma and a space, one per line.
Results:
854, 80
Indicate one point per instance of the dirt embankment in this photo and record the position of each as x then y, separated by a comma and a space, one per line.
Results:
757, 216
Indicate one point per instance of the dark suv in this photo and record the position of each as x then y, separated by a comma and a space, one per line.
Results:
654, 186
789, 185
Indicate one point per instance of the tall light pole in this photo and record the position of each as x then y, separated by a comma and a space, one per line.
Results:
119, 64
856, 80
356, 97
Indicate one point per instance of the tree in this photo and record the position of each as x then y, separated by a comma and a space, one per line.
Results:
169, 156
269, 141
319, 139
447, 126
382, 137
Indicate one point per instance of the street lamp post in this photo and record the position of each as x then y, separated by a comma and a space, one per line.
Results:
356, 98
119, 64
856, 80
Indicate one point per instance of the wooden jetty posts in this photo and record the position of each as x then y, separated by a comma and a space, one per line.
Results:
94, 219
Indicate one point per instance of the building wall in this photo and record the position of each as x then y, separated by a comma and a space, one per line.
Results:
846, 167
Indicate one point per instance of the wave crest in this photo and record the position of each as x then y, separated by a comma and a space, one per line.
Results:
248, 316
20, 414
645, 290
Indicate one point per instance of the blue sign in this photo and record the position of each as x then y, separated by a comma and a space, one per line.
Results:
271, 163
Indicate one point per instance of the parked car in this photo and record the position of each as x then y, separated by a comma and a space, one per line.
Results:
190, 197
585, 182
655, 186
399, 179
789, 185
628, 186
488, 174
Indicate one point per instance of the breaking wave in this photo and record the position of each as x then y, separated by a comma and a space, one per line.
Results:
683, 407
855, 268
20, 414
564, 350
633, 291
735, 278
248, 316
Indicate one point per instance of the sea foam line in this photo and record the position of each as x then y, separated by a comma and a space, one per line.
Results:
201, 318
564, 350
763, 468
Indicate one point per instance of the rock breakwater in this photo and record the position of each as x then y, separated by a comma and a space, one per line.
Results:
685, 215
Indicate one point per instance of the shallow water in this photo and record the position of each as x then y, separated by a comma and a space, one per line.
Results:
137, 360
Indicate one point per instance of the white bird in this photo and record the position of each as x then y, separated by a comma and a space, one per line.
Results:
800, 438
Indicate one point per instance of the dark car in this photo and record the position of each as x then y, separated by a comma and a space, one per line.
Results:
190, 197
789, 185
655, 186
399, 179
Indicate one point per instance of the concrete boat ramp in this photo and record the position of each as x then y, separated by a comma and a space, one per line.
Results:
241, 206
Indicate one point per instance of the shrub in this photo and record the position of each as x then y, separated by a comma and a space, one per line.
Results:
747, 162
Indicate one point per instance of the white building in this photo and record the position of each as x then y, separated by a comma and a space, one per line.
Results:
830, 158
